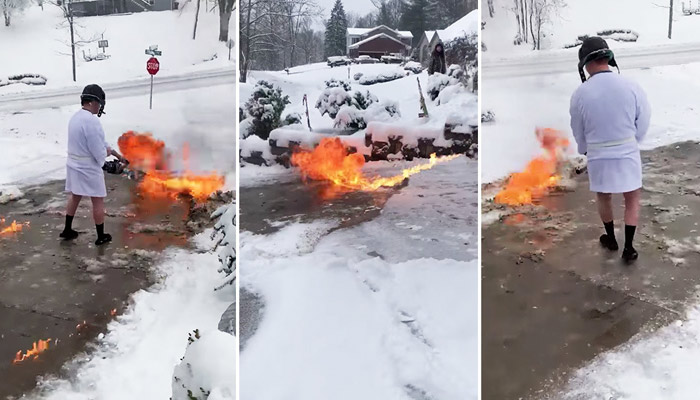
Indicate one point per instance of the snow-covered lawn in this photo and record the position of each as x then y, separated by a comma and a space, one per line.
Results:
386, 309
36, 41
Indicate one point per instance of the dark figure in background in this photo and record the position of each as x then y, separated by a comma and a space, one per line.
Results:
437, 60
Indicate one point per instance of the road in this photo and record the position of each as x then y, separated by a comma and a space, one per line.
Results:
565, 60
57, 97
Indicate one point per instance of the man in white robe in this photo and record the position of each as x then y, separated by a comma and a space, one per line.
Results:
87, 151
610, 116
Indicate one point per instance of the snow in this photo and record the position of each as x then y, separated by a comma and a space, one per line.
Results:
371, 38
587, 17
10, 193
660, 365
362, 31
137, 355
458, 104
33, 143
467, 25
392, 308
38, 39
208, 368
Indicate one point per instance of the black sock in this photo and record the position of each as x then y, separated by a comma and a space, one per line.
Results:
610, 229
69, 223
629, 235
100, 230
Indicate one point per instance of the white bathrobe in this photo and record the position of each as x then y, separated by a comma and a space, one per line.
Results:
87, 151
609, 118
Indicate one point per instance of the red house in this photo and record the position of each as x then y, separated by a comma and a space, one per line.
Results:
377, 42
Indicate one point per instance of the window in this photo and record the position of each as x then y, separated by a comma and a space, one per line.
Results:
355, 40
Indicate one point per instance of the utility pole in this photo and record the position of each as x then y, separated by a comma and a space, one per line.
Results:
670, 20
72, 34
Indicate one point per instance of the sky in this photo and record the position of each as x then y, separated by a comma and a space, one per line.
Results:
360, 7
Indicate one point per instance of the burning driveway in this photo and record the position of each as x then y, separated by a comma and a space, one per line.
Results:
553, 299
56, 296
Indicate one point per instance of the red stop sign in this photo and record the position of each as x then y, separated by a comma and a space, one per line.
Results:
152, 66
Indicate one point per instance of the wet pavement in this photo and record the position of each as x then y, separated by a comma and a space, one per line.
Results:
66, 291
553, 299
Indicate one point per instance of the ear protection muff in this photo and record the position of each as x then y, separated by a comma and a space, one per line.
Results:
597, 55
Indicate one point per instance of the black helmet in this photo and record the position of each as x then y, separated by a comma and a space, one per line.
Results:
594, 48
94, 93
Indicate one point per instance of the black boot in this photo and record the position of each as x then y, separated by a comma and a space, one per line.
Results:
608, 239
629, 254
102, 237
68, 232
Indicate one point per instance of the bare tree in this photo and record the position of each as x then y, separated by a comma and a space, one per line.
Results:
11, 7
492, 10
196, 19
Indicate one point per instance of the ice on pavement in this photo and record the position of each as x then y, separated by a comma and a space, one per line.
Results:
137, 356
387, 309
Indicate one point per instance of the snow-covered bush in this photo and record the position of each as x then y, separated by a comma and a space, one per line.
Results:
357, 76
208, 369
265, 107
620, 35
488, 116
225, 236
437, 82
333, 97
27, 79
382, 77
413, 66
292, 118
363, 100
464, 51
350, 117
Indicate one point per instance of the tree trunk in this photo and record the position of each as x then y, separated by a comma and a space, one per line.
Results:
246, 54
196, 19
225, 11
670, 20
72, 36
491, 8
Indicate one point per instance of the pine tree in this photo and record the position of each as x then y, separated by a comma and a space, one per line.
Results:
415, 18
336, 31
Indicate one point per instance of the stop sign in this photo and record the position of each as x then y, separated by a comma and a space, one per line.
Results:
152, 66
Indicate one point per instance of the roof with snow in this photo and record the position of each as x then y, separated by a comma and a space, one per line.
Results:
464, 26
364, 31
371, 38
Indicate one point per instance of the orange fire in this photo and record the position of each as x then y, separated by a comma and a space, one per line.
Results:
150, 156
329, 161
37, 348
14, 227
540, 175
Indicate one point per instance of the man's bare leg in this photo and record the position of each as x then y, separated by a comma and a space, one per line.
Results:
72, 206
632, 208
606, 215
98, 214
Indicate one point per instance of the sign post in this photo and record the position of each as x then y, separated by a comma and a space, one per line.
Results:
152, 66
230, 45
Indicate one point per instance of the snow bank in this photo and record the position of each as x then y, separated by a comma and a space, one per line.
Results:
10, 193
208, 369
297, 134
373, 79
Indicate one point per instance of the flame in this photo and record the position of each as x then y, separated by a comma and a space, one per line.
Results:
14, 227
37, 348
150, 156
540, 174
113, 312
143, 151
329, 161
